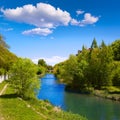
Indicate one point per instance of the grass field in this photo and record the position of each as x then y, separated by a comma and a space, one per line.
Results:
14, 108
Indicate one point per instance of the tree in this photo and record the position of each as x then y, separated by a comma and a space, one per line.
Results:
6, 57
70, 70
116, 49
105, 68
102, 44
23, 78
41, 62
94, 44
116, 74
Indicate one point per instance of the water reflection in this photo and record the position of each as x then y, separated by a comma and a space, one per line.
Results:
94, 108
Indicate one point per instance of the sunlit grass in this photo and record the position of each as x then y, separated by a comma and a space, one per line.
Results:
14, 108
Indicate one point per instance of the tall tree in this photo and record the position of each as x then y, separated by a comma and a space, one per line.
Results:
23, 78
94, 44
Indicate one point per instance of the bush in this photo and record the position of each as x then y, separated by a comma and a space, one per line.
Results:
24, 79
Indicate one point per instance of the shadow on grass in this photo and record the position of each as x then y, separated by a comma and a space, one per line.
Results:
116, 92
8, 96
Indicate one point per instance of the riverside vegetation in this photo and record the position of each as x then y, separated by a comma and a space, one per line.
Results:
13, 107
93, 70
18, 101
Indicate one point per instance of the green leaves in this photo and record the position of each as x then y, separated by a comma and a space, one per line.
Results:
23, 78
90, 68
116, 49
6, 57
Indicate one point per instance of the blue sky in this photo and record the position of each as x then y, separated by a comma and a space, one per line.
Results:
54, 29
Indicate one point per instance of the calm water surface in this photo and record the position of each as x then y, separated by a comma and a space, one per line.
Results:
94, 108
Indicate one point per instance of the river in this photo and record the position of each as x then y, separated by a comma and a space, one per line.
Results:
94, 108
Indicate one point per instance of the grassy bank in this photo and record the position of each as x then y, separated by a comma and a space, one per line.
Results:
14, 108
112, 93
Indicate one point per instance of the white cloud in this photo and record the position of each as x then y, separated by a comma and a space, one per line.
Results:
88, 19
41, 15
45, 18
51, 61
79, 12
75, 22
38, 31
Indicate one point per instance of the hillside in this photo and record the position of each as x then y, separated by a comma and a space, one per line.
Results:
6, 58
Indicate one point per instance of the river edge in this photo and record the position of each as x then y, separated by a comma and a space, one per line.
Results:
98, 93
105, 95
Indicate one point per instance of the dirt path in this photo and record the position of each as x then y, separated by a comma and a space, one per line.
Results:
4, 88
1, 92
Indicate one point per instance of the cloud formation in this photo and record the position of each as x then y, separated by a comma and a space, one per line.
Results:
51, 61
79, 12
45, 17
88, 19
38, 31
41, 15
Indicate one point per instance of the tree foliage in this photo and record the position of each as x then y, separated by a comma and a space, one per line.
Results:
41, 62
6, 57
43, 67
90, 68
23, 78
116, 74
116, 49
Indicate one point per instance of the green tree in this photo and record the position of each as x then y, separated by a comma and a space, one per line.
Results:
92, 71
100, 66
105, 68
116, 49
116, 74
82, 67
94, 44
6, 57
23, 78
41, 70
41, 62
70, 70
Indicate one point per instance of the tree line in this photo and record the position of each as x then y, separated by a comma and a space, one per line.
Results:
91, 68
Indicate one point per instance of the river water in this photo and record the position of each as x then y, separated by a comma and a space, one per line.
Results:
94, 108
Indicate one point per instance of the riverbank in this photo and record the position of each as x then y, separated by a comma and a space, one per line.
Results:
106, 95
14, 108
111, 93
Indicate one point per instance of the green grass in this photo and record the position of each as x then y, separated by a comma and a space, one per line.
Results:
14, 108
110, 92
113, 90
